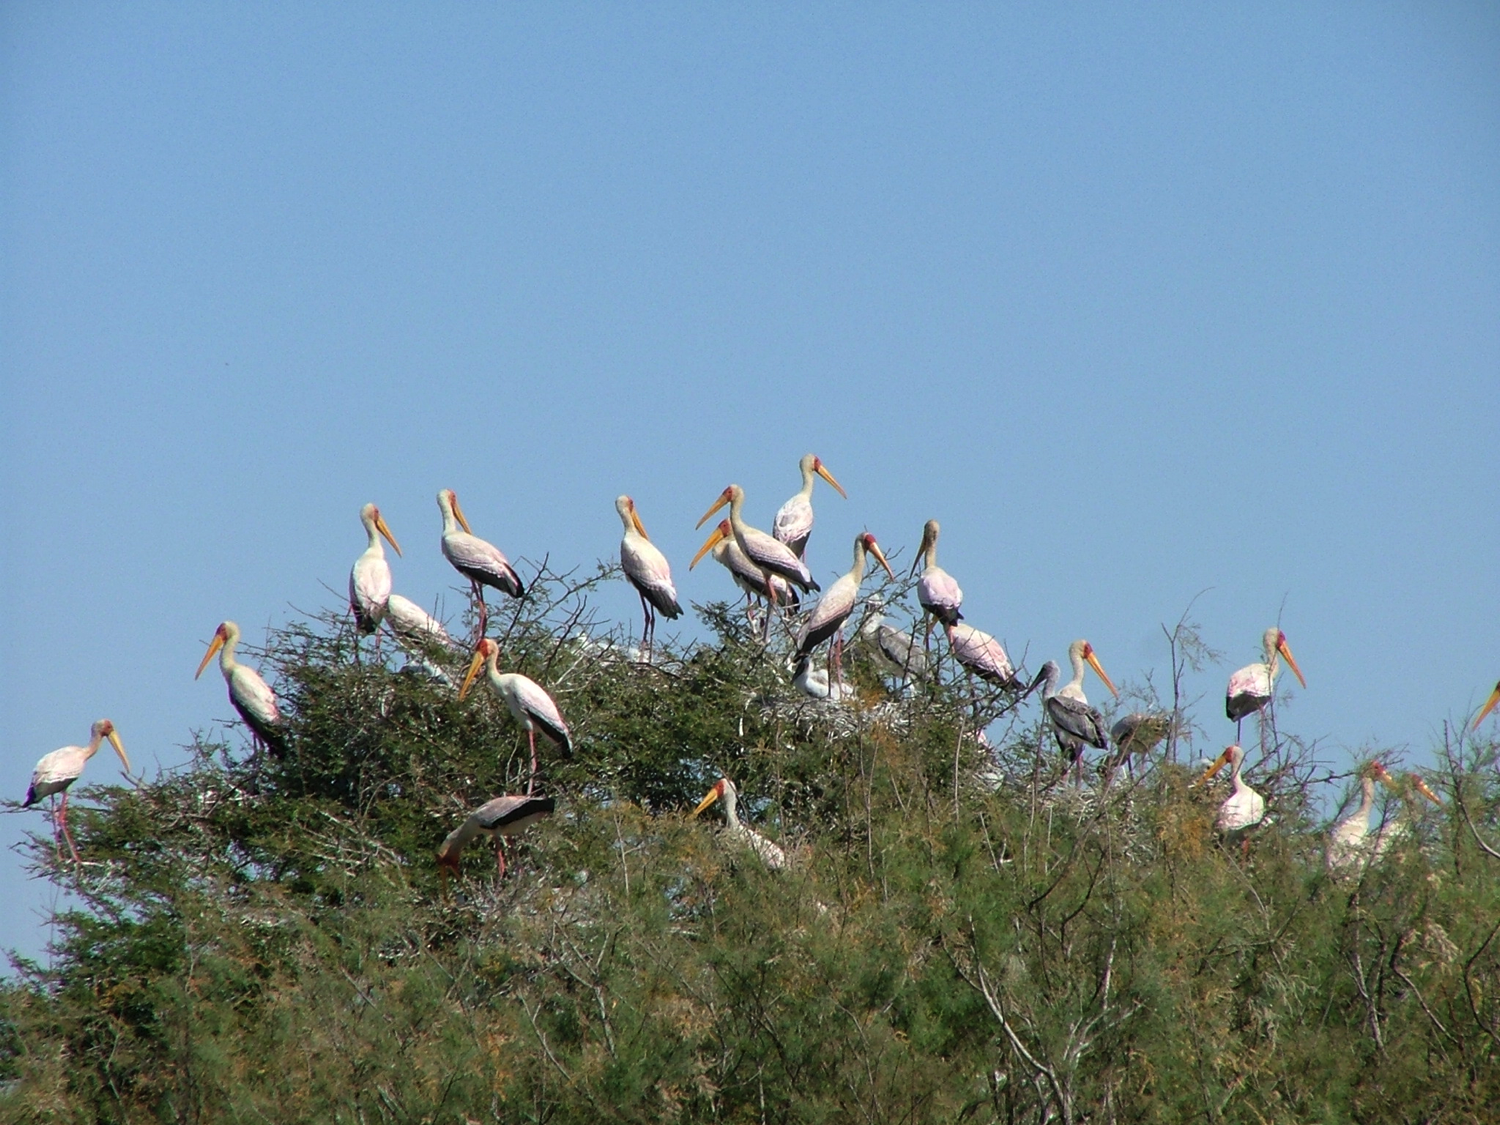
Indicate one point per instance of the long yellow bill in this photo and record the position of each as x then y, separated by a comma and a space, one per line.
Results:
822, 471
380, 527
880, 558
1425, 790
719, 503
474, 666
1286, 654
114, 739
1215, 768
713, 795
1099, 670
1487, 708
458, 514
720, 533
213, 646
635, 518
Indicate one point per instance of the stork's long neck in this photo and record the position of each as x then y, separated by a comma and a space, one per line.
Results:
807, 482
731, 807
227, 662
1367, 798
450, 521
1050, 675
1076, 659
374, 548
929, 554
459, 839
96, 739
1235, 779
857, 571
1273, 660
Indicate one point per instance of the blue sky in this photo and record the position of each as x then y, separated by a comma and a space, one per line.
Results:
1138, 303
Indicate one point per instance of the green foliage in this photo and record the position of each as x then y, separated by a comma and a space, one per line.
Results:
266, 940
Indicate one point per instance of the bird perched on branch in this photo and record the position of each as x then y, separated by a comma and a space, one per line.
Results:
742, 834
834, 607
893, 650
937, 591
756, 583
250, 695
1244, 808
59, 769
981, 654
1349, 844
764, 551
1252, 686
528, 703
370, 578
1075, 724
414, 626
496, 818
647, 570
794, 520
482, 563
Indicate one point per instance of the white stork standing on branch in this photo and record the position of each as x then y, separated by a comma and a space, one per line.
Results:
59, 769
647, 569
1244, 808
794, 520
528, 703
747, 576
834, 607
937, 591
370, 578
250, 695
1251, 688
482, 563
764, 551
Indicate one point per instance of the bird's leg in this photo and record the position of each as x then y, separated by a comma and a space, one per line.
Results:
765, 634
837, 676
648, 629
484, 612
531, 783
56, 828
66, 834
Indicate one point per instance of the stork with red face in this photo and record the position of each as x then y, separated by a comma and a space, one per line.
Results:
1251, 688
794, 520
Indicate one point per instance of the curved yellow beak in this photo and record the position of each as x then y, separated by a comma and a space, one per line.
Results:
381, 527
718, 536
880, 558
474, 666
822, 471
458, 514
114, 740
1286, 654
213, 646
713, 795
1099, 671
635, 519
1213, 769
1489, 706
1424, 789
719, 503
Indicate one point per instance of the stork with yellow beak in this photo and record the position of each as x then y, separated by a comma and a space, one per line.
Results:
482, 563
647, 569
527, 701
1251, 688
794, 520
834, 607
370, 579
59, 769
250, 695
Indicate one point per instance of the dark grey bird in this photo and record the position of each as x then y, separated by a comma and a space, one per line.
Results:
1075, 723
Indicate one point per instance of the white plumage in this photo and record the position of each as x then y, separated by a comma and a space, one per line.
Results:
482, 563
742, 834
59, 769
647, 569
370, 578
981, 654
1251, 687
527, 701
251, 696
937, 590
496, 818
1244, 808
794, 520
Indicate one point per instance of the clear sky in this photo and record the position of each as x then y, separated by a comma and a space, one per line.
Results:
1139, 300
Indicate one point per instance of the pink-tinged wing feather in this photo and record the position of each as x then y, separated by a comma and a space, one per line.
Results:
647, 569
254, 695
794, 521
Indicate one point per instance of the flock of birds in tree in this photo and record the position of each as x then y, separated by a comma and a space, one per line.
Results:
770, 569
